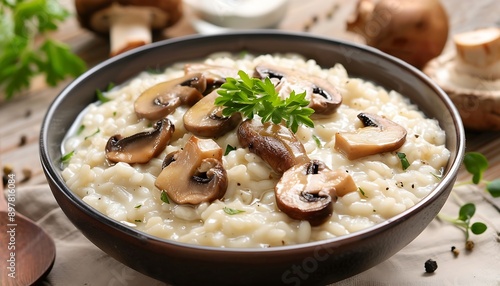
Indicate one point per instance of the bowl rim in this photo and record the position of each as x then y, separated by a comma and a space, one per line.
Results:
448, 179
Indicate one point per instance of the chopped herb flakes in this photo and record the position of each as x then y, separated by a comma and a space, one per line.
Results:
404, 161
67, 156
229, 148
164, 197
100, 95
97, 131
318, 142
231, 211
80, 129
362, 193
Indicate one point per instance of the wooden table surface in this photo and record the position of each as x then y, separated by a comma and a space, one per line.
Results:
21, 117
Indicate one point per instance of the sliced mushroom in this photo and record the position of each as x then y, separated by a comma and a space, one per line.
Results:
140, 147
215, 75
194, 174
274, 143
307, 191
206, 119
163, 98
323, 97
379, 135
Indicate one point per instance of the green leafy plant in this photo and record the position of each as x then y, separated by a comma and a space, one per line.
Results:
463, 221
253, 96
26, 49
476, 164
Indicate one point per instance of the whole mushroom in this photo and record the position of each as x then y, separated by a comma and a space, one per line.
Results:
129, 23
414, 31
470, 75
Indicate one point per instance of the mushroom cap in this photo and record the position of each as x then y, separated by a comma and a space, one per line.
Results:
163, 98
205, 118
274, 143
477, 99
194, 174
171, 9
307, 191
140, 147
396, 27
214, 74
379, 135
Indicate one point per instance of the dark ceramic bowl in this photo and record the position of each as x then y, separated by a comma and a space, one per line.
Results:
313, 263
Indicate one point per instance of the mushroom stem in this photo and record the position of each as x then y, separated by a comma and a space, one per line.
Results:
130, 27
478, 53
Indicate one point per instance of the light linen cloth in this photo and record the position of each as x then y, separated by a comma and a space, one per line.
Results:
79, 262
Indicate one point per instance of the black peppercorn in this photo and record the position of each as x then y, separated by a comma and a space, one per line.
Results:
430, 266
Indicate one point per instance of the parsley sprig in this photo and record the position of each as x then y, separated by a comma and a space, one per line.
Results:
253, 96
26, 50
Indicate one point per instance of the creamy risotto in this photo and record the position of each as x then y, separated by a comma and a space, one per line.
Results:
247, 214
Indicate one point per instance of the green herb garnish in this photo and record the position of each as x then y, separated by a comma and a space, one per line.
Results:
362, 193
253, 96
100, 94
164, 197
231, 211
66, 157
155, 70
80, 129
26, 50
138, 206
404, 161
229, 148
97, 131
138, 220
318, 142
